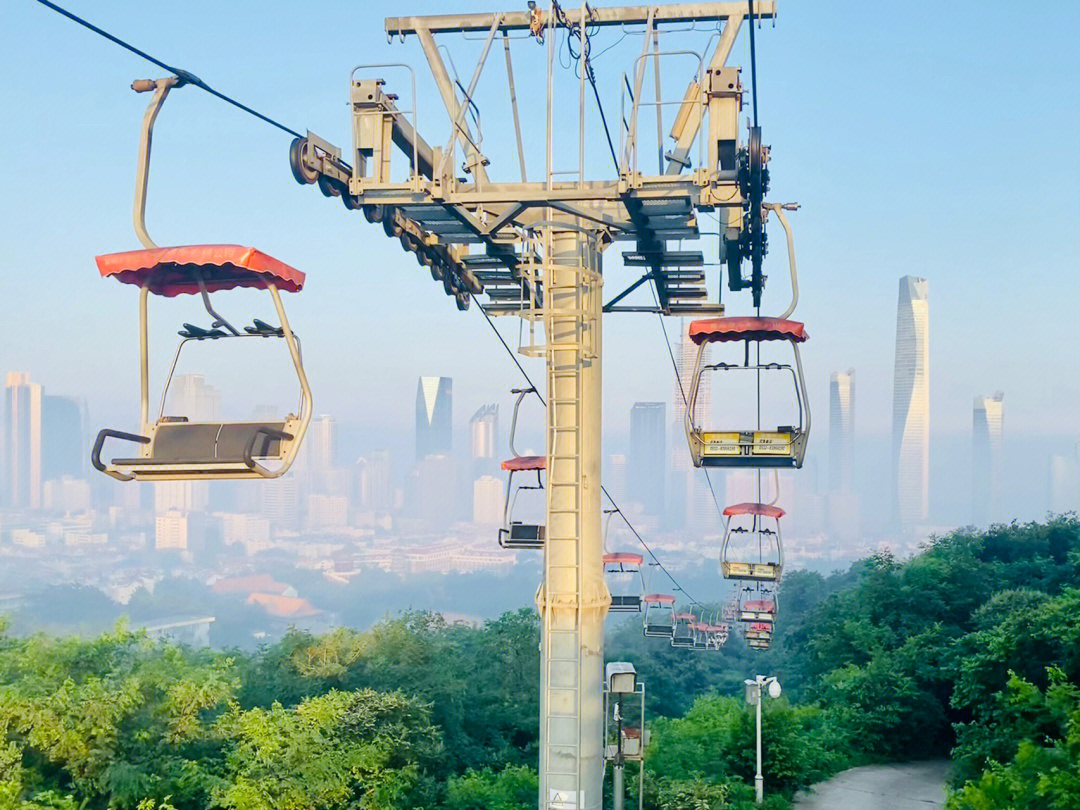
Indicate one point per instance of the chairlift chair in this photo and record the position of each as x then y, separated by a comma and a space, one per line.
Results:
658, 621
701, 630
626, 569
768, 538
173, 447
682, 633
759, 630
516, 534
760, 609
785, 446
758, 643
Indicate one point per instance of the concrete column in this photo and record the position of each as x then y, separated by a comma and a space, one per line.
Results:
573, 599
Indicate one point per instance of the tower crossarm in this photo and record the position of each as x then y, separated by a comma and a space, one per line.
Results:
598, 16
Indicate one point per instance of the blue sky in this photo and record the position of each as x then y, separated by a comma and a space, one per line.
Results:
937, 139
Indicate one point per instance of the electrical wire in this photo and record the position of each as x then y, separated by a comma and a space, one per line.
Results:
184, 76
655, 560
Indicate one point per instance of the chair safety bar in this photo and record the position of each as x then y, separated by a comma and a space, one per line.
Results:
99, 444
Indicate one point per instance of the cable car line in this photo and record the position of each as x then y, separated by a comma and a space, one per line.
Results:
184, 76
611, 500
753, 63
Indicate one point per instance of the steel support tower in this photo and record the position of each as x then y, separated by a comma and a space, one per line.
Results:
533, 248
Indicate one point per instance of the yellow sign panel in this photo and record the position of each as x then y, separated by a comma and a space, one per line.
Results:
772, 444
721, 444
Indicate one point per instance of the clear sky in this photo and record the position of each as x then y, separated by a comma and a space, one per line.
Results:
936, 139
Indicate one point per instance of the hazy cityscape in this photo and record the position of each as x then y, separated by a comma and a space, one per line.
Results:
362, 530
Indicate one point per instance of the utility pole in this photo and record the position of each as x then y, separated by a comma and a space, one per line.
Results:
754, 694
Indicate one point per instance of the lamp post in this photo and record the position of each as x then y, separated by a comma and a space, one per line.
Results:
629, 746
753, 697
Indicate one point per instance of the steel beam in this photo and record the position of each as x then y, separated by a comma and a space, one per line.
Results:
520, 20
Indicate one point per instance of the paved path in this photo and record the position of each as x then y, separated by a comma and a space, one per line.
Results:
903, 786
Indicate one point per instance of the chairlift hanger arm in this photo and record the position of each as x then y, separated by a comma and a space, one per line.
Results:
597, 16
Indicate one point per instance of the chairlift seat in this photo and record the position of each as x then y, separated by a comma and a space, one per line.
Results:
658, 605
625, 603
525, 536
202, 450
755, 572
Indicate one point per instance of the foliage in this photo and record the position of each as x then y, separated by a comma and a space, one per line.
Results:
969, 649
513, 788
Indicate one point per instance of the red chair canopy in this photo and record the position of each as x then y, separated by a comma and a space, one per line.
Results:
519, 463
721, 330
171, 271
762, 509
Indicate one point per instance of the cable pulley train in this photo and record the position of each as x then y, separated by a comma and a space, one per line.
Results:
173, 447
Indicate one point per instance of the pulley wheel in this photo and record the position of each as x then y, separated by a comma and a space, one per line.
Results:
300, 172
328, 187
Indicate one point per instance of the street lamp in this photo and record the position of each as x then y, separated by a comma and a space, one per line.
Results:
753, 697
620, 680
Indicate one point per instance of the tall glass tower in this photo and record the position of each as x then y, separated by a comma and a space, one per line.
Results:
841, 427
986, 427
434, 412
911, 402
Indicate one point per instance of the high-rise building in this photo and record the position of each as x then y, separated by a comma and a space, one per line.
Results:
321, 439
63, 438
171, 531
181, 496
617, 464
373, 481
689, 501
1064, 481
435, 490
645, 472
22, 442
911, 402
986, 427
483, 432
191, 396
841, 430
434, 415
488, 500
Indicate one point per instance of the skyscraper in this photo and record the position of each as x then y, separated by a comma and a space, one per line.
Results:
690, 503
483, 433
911, 402
1064, 481
63, 438
986, 427
434, 414
22, 463
841, 429
191, 396
645, 473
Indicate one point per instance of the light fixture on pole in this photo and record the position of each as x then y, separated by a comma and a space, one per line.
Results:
753, 698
